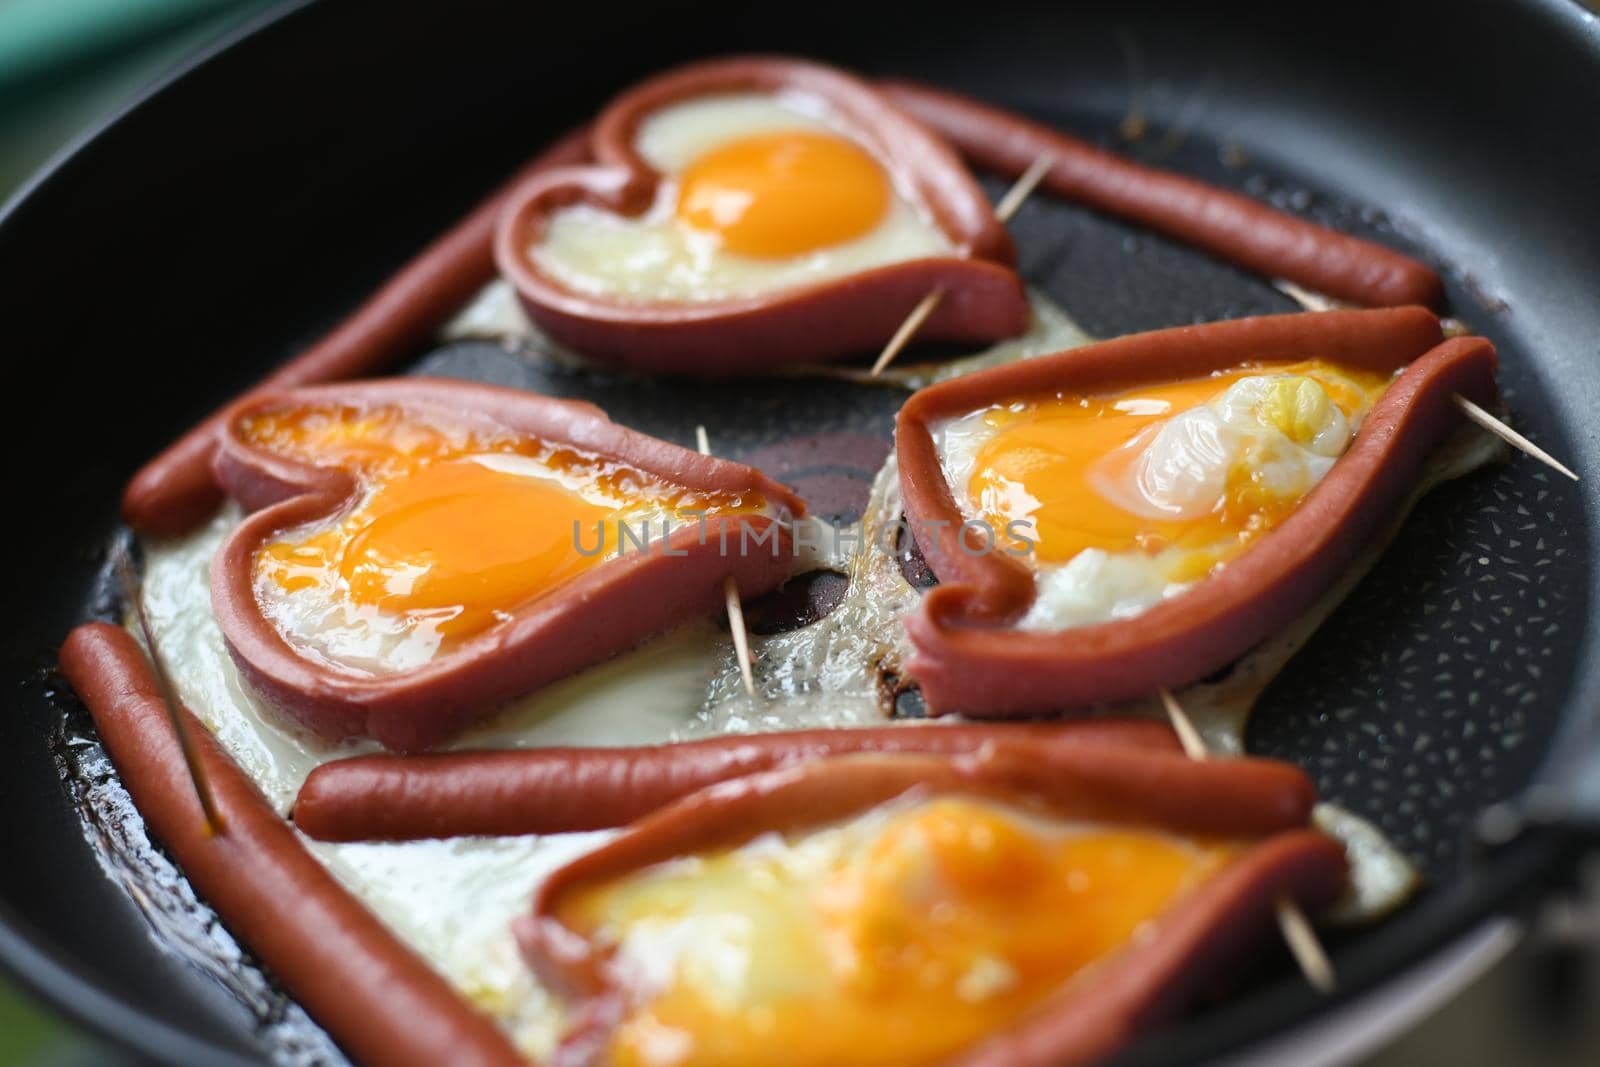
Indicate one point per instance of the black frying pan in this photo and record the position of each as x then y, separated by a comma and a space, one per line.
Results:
225, 220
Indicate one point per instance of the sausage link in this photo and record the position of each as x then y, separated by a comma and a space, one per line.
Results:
377, 998
1232, 227
557, 790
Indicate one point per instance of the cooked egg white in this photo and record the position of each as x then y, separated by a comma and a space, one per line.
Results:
1122, 501
896, 937
760, 193
453, 903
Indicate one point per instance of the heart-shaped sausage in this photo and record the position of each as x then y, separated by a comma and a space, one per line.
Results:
410, 565
972, 657
827, 318
957, 890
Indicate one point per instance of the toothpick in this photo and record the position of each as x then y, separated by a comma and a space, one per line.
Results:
730, 593
1317, 302
1297, 931
129, 586
741, 639
1013, 199
1306, 298
907, 330
1303, 944
1510, 436
1023, 187
1194, 746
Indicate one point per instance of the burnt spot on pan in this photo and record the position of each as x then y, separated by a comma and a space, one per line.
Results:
901, 696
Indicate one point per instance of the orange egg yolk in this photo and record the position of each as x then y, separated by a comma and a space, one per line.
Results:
784, 194
453, 526
951, 922
1039, 468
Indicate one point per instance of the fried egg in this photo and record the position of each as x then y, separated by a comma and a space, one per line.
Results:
1121, 501
896, 937
759, 192
455, 528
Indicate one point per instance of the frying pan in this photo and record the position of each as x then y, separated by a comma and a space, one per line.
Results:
224, 220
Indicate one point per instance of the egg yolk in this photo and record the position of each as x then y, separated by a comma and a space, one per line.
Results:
1047, 464
951, 921
784, 194
455, 527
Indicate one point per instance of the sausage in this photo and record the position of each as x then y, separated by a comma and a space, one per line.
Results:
968, 656
378, 999
1230, 226
1142, 984
175, 492
983, 299
559, 790
605, 610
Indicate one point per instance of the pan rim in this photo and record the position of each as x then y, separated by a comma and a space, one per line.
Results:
27, 954
50, 977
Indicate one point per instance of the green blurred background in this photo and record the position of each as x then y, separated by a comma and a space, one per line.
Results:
66, 64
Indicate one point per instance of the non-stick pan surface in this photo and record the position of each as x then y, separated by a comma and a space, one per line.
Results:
224, 221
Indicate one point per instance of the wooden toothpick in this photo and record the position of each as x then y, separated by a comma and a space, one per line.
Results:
1007, 207
730, 593
1317, 302
1510, 436
1023, 187
1304, 945
1194, 746
1306, 298
907, 330
1297, 931
128, 585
